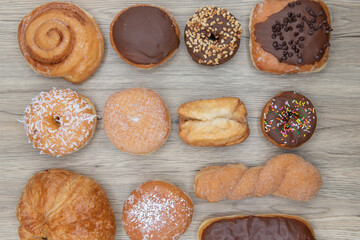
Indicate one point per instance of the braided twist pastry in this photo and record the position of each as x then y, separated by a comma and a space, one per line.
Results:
286, 175
61, 40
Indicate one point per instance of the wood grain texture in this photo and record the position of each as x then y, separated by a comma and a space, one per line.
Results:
334, 148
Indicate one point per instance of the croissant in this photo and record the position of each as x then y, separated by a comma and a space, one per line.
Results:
60, 204
61, 40
286, 175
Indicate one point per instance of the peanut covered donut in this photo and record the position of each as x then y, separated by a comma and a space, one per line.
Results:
157, 210
60, 122
136, 120
61, 40
212, 36
288, 120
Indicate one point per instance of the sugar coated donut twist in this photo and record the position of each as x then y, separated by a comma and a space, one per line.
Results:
61, 40
286, 175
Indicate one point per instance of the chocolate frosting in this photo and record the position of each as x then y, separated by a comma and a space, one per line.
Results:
212, 36
257, 228
297, 35
289, 119
145, 34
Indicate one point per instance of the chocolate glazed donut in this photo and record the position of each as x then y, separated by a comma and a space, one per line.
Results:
288, 120
144, 36
259, 227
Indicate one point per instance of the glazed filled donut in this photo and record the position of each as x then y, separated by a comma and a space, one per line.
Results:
136, 120
288, 120
290, 36
144, 36
212, 36
60, 122
157, 210
61, 40
60, 204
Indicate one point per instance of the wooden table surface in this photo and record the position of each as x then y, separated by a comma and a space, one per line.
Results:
334, 148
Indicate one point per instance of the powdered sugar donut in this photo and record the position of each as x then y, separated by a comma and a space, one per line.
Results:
157, 210
136, 120
60, 122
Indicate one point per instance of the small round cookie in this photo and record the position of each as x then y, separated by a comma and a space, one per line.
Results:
136, 120
290, 36
61, 40
144, 36
212, 36
60, 122
288, 120
157, 210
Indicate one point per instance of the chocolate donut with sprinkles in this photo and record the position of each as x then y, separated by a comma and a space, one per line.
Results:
288, 120
212, 36
60, 122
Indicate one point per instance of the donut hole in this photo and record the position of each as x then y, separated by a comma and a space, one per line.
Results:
57, 120
212, 37
291, 118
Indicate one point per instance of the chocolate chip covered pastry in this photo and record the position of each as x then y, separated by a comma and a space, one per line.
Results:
213, 122
286, 175
259, 227
289, 36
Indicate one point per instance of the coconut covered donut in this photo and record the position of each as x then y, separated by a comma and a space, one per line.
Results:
60, 122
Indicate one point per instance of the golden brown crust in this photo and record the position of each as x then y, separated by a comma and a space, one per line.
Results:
136, 120
267, 62
143, 66
157, 210
61, 40
209, 221
286, 175
213, 122
60, 204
